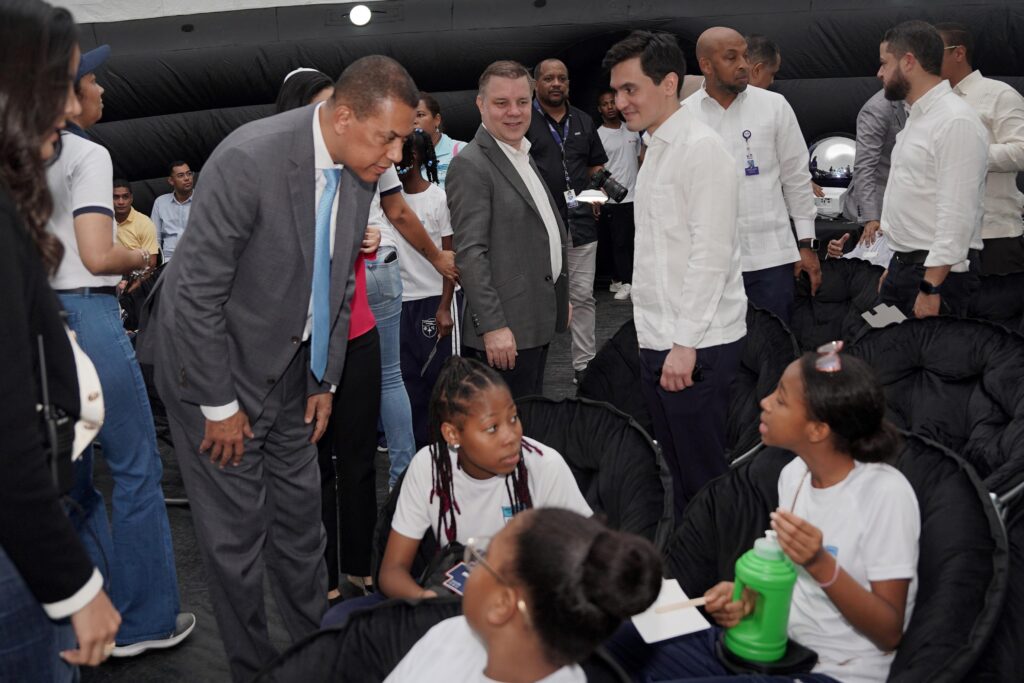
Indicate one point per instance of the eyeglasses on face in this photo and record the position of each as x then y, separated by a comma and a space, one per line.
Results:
475, 555
828, 359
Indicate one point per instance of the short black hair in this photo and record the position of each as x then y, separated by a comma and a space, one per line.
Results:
370, 80
761, 50
958, 34
659, 55
536, 69
605, 91
300, 88
920, 39
175, 164
121, 182
432, 104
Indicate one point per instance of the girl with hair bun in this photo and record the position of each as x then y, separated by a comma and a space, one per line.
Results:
847, 519
546, 591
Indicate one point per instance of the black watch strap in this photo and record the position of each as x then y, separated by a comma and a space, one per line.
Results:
928, 288
809, 243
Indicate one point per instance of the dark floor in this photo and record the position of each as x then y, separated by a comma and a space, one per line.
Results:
201, 658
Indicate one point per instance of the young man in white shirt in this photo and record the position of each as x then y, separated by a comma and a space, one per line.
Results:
1001, 109
932, 207
688, 300
761, 133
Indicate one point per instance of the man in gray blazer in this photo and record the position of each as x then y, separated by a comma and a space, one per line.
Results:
248, 339
510, 243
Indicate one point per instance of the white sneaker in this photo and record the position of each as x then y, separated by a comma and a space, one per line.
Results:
183, 625
615, 286
623, 293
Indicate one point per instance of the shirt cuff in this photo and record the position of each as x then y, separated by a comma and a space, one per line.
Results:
218, 413
85, 594
804, 229
334, 388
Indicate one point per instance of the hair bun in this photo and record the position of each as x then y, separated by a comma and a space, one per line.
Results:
621, 574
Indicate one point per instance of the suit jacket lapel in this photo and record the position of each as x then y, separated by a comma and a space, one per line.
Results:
302, 189
346, 216
497, 157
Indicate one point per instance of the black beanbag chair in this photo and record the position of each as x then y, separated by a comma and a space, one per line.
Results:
1000, 299
613, 376
849, 287
962, 571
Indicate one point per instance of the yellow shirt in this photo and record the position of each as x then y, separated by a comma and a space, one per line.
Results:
138, 232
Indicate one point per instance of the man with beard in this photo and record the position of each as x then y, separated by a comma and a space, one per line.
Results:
567, 149
932, 207
761, 132
170, 211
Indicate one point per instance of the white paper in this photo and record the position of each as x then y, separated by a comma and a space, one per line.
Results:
592, 197
655, 627
882, 315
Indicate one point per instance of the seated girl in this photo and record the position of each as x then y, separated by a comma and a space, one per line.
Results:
849, 521
542, 595
475, 476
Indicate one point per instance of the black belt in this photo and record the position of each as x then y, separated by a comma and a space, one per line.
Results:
112, 291
917, 258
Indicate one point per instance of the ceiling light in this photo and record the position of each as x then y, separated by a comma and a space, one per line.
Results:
360, 15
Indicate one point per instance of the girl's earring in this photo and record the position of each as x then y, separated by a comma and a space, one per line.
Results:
454, 446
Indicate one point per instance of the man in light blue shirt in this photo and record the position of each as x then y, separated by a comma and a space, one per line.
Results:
170, 211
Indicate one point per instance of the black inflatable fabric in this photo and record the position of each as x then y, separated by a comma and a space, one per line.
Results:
614, 376
618, 468
1000, 299
849, 287
962, 571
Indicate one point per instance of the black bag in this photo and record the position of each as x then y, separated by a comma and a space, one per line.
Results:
444, 559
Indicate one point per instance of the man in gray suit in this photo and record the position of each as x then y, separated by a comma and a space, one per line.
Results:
510, 243
248, 339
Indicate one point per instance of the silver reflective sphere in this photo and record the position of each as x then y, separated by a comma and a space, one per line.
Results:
832, 161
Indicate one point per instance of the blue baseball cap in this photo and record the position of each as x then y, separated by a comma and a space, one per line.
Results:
92, 60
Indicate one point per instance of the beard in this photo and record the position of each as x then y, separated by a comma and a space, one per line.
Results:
734, 88
897, 89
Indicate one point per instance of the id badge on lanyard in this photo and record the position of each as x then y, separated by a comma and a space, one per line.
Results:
570, 195
751, 166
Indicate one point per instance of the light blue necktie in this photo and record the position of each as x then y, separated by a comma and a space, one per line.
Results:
322, 275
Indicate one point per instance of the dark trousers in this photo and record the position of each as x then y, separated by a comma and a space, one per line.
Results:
418, 334
527, 377
346, 452
619, 221
690, 424
772, 289
1003, 255
903, 281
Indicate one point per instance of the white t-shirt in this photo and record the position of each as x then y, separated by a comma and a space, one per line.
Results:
419, 279
451, 651
623, 150
484, 505
387, 184
81, 181
871, 523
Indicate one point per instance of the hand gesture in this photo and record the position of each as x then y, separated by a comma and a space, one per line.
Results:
798, 538
835, 247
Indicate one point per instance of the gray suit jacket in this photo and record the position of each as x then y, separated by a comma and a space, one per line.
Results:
231, 307
878, 123
501, 249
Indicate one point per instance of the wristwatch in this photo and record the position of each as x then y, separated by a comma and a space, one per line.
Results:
928, 288
808, 243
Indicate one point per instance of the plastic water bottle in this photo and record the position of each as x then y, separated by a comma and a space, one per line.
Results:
761, 636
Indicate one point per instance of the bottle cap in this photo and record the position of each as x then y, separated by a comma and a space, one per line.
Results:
768, 547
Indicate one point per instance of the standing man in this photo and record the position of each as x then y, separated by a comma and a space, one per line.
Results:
761, 133
932, 207
510, 243
249, 337
170, 211
764, 59
134, 229
1001, 109
565, 144
624, 149
688, 300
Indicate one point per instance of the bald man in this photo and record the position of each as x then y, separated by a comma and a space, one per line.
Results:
567, 149
761, 132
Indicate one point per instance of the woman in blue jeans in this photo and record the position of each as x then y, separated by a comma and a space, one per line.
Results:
135, 556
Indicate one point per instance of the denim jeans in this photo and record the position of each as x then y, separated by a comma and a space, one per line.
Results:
30, 642
384, 291
136, 560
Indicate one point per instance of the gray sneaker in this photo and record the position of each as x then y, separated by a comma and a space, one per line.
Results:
183, 626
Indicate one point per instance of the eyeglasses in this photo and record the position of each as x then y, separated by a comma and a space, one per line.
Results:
475, 555
828, 359
952, 47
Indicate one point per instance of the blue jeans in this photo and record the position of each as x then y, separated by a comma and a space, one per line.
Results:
136, 560
30, 642
384, 291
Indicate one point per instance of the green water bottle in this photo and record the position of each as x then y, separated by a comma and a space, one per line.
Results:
761, 635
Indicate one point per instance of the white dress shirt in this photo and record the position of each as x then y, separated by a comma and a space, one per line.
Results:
520, 159
322, 160
687, 272
1001, 109
933, 199
782, 186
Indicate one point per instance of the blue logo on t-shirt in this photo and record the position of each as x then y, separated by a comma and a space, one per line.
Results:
832, 550
507, 514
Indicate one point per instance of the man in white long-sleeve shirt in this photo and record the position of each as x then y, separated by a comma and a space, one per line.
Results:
1001, 109
761, 132
932, 207
688, 300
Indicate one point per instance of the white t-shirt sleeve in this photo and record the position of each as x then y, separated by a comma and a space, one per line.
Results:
894, 512
389, 181
555, 485
91, 180
444, 217
412, 514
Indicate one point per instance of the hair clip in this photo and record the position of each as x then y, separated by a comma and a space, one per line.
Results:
828, 359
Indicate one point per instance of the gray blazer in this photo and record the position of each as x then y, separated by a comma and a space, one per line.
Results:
878, 123
231, 306
501, 249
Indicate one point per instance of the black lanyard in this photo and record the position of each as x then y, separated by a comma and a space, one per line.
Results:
559, 139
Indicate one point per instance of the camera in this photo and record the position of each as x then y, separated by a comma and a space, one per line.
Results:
603, 180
